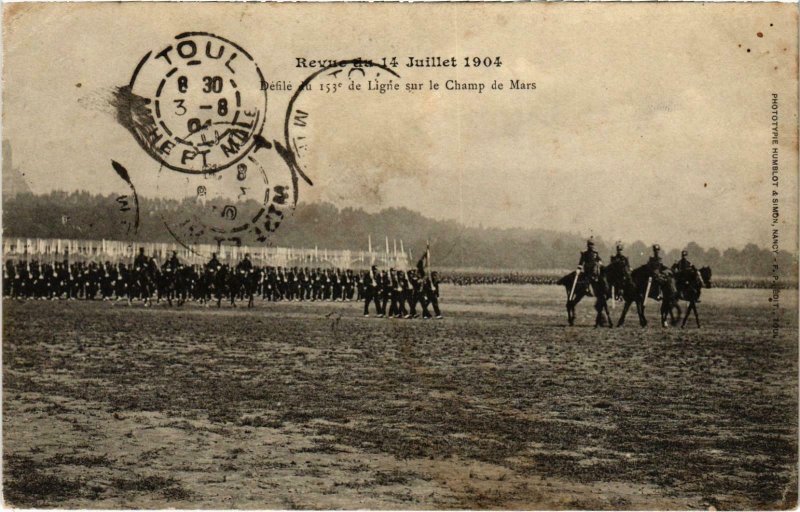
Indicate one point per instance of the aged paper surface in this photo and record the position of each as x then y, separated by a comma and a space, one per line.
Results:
367, 256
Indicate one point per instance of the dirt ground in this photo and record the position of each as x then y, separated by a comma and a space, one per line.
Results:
499, 405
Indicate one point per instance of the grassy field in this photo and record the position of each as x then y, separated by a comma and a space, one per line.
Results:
499, 405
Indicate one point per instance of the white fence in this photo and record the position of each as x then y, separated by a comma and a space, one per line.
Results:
51, 250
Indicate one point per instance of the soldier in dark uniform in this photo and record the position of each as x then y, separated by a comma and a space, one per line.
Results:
244, 280
141, 260
656, 269
372, 291
622, 261
430, 292
385, 289
414, 294
683, 269
682, 264
213, 263
107, 281
399, 295
304, 284
245, 266
10, 279
590, 263
654, 263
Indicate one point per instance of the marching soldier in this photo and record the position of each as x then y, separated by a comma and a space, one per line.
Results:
412, 294
213, 264
371, 292
430, 290
385, 287
141, 260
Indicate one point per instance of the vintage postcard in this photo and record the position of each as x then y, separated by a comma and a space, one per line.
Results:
400, 256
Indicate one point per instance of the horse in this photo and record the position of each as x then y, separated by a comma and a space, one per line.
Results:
600, 289
687, 285
631, 287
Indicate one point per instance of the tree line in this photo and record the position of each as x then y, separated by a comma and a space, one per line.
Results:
83, 215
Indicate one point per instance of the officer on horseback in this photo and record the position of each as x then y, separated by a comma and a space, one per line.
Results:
655, 263
682, 264
590, 264
621, 261
657, 268
684, 271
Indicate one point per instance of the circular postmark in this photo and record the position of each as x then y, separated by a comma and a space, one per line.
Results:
299, 125
205, 86
244, 204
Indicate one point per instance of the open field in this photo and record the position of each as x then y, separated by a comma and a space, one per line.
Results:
499, 405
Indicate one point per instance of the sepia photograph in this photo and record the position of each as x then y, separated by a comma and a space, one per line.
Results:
400, 256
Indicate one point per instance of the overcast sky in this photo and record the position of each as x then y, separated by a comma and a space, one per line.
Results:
648, 121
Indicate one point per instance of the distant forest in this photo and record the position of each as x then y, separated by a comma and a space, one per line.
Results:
80, 215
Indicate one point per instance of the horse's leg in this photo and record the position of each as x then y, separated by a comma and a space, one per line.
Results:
575, 300
640, 313
570, 319
625, 308
696, 316
677, 318
601, 306
688, 310
608, 315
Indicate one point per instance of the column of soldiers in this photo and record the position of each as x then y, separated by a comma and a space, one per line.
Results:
396, 294
147, 281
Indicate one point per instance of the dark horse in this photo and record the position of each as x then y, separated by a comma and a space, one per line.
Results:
599, 288
686, 285
630, 286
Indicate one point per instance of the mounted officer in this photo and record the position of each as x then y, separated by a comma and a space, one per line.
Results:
621, 262
656, 268
620, 259
682, 264
684, 271
590, 264
655, 263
